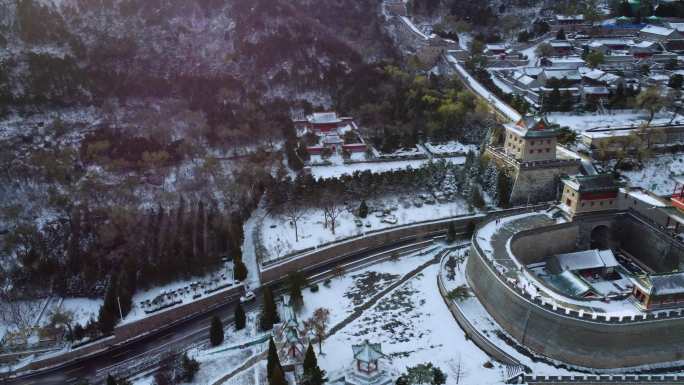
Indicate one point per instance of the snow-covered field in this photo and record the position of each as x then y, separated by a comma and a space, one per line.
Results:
657, 174
278, 235
414, 326
618, 119
358, 286
215, 362
337, 170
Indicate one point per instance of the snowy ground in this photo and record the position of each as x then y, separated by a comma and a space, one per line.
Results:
414, 326
337, 170
40, 311
278, 236
627, 118
181, 292
215, 362
356, 287
657, 174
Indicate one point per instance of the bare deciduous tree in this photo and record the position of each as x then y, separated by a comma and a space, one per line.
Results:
294, 211
319, 323
18, 313
332, 209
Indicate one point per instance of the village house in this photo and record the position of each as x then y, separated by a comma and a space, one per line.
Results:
659, 34
561, 47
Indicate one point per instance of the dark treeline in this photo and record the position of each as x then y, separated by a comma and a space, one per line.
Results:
90, 251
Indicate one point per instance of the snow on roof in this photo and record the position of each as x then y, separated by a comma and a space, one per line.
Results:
526, 80
657, 30
595, 74
645, 44
560, 43
666, 284
569, 59
613, 41
492, 47
582, 260
677, 26
367, 352
323, 117
562, 74
596, 91
569, 17
571, 283
646, 198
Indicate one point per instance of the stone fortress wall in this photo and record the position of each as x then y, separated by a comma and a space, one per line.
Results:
580, 339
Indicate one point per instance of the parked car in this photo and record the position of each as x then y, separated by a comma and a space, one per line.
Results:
391, 219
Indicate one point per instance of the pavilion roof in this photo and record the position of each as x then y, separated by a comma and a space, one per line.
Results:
367, 352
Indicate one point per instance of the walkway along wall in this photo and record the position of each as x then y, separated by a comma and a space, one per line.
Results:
568, 336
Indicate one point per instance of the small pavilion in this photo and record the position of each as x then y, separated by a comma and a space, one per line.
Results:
366, 370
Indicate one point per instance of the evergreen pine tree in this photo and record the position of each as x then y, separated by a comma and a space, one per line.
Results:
273, 361
363, 209
111, 380
216, 331
451, 232
296, 281
277, 377
313, 375
476, 198
239, 269
269, 313
189, 367
240, 318
109, 311
503, 190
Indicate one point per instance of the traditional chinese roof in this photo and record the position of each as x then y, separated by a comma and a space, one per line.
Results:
662, 284
533, 127
323, 118
367, 352
656, 30
582, 260
593, 183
